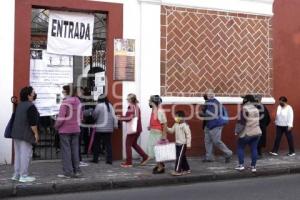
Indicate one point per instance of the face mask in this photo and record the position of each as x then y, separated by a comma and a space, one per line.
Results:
177, 119
281, 104
34, 96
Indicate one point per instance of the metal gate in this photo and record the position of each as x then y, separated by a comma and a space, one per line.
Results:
48, 148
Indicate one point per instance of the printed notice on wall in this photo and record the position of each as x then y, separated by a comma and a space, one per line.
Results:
48, 73
124, 59
70, 33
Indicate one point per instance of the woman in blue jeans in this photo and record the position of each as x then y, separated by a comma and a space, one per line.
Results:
248, 132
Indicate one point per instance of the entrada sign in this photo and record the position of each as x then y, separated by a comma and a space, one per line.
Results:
70, 33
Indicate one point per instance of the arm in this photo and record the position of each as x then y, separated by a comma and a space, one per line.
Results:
241, 123
129, 114
290, 118
114, 116
32, 115
171, 130
163, 120
61, 116
267, 116
188, 134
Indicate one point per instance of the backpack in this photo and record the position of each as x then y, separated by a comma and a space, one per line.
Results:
224, 114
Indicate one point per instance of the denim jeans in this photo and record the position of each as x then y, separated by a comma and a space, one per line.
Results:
252, 142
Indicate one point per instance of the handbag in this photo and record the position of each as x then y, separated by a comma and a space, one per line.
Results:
165, 151
239, 127
9, 126
131, 126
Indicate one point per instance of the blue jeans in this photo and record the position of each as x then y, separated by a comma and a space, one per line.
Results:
252, 142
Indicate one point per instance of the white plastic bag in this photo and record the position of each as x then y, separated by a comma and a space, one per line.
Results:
165, 152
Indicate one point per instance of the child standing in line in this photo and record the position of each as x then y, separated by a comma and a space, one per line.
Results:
183, 141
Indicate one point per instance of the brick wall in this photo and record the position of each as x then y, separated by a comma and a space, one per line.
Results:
228, 52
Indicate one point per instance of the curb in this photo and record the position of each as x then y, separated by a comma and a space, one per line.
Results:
16, 190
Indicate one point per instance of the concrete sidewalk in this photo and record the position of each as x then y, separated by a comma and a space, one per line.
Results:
102, 176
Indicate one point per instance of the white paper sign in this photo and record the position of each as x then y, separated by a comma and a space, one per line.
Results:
70, 33
48, 73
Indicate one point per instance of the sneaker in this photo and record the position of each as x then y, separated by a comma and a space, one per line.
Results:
253, 169
26, 179
125, 165
83, 164
227, 159
157, 170
109, 162
273, 153
78, 174
240, 168
291, 154
15, 177
186, 172
64, 176
176, 173
144, 162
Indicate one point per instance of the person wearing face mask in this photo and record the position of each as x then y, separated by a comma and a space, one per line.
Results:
214, 119
133, 111
25, 134
158, 129
284, 125
183, 141
248, 131
67, 124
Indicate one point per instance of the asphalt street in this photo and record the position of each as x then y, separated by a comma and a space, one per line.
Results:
273, 188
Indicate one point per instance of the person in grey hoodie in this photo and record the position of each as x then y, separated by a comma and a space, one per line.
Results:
106, 121
67, 124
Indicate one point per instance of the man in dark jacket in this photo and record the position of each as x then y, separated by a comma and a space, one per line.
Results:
214, 123
263, 123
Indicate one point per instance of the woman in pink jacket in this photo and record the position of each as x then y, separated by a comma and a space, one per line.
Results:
67, 124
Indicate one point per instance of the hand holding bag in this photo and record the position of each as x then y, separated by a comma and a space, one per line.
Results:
131, 126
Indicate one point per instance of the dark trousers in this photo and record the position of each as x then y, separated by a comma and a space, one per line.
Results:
84, 138
262, 141
69, 151
131, 141
181, 163
252, 142
279, 132
106, 139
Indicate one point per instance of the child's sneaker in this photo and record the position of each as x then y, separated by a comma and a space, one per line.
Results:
186, 172
176, 173
26, 179
253, 169
240, 168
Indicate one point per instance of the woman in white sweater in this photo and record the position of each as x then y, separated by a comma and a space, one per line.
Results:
284, 125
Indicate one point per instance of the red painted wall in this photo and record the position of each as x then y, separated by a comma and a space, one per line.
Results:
286, 79
286, 57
